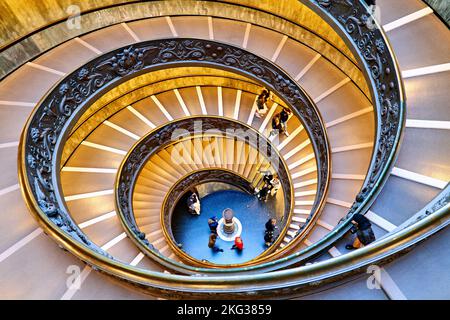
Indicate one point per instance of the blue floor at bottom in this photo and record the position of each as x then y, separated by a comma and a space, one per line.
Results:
193, 232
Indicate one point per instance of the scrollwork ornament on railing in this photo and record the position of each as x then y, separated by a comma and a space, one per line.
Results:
128, 61
57, 113
43, 134
164, 136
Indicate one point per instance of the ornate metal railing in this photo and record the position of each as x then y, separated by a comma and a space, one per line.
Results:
363, 34
45, 133
102, 110
192, 128
195, 179
352, 19
42, 138
306, 279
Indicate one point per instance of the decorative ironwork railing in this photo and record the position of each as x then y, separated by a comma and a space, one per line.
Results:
193, 128
43, 136
53, 119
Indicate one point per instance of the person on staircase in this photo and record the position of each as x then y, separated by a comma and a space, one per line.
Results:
268, 176
262, 193
213, 223
285, 115
364, 233
272, 182
268, 238
279, 122
193, 203
276, 126
271, 225
276, 185
212, 243
261, 103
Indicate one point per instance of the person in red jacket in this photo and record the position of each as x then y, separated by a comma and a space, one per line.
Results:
238, 244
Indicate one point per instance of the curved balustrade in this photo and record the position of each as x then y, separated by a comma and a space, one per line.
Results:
178, 78
188, 128
374, 53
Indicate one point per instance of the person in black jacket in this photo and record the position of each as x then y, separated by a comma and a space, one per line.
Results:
213, 224
364, 233
268, 238
268, 176
193, 203
276, 125
271, 224
212, 243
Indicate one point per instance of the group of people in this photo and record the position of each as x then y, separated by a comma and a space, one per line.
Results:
213, 223
193, 204
271, 186
361, 226
271, 225
279, 121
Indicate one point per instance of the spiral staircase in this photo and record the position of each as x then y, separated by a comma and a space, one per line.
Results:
369, 133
